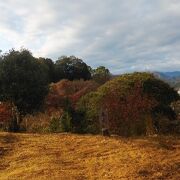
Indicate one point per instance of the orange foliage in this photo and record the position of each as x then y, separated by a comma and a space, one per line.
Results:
5, 112
129, 107
65, 89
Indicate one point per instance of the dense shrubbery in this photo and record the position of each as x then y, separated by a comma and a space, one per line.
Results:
132, 103
60, 109
24, 80
9, 117
67, 92
66, 122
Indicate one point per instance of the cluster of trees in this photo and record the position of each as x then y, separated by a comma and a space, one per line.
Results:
131, 104
65, 89
73, 68
134, 104
24, 79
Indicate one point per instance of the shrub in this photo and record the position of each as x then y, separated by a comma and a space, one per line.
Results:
66, 122
55, 125
9, 117
89, 110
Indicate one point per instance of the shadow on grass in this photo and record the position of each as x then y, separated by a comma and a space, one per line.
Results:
167, 142
8, 138
7, 142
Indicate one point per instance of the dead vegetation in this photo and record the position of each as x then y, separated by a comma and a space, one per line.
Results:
69, 156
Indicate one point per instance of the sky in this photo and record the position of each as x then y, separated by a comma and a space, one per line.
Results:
123, 35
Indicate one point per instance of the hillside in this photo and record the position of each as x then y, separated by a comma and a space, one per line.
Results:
68, 156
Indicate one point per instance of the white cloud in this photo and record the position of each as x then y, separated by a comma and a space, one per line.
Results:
124, 35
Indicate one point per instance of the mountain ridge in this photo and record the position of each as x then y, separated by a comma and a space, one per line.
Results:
171, 77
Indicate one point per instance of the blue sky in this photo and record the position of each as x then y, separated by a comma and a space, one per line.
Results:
123, 35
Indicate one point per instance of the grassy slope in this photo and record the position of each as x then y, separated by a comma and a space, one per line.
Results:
66, 156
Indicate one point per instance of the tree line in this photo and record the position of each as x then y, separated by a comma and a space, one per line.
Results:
130, 104
25, 79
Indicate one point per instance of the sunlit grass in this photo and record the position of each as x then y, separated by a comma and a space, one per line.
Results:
69, 156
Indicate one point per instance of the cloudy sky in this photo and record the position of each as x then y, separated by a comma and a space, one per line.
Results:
123, 35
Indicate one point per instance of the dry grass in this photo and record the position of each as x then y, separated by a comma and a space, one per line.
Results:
81, 157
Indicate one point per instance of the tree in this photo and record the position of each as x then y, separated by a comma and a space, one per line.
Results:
49, 67
71, 68
88, 108
65, 90
23, 80
131, 102
101, 74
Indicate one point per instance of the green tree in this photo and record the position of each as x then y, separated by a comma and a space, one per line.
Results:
49, 67
71, 68
101, 74
66, 122
88, 111
23, 80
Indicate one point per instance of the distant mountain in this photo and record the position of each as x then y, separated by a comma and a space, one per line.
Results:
161, 75
173, 78
173, 74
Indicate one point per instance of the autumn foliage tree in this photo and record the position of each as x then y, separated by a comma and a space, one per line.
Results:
128, 108
66, 90
5, 115
130, 101
63, 96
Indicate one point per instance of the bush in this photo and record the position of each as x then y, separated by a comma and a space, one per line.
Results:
88, 108
66, 122
55, 125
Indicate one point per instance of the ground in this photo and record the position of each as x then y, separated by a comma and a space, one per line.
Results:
81, 157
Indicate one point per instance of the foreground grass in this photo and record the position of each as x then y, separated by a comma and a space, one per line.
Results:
68, 156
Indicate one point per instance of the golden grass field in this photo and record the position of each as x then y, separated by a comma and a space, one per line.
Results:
81, 157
